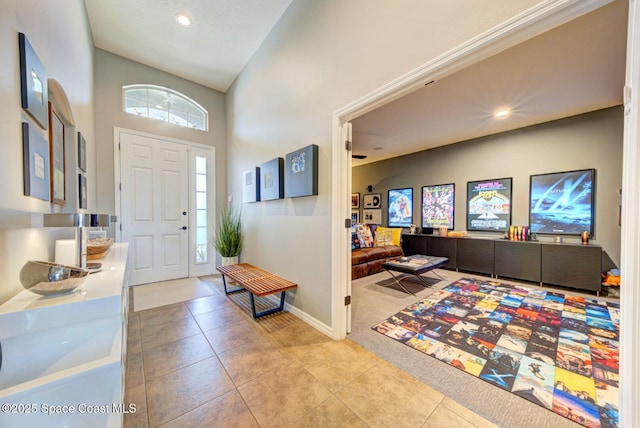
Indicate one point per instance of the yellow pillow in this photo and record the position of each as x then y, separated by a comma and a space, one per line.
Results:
383, 236
396, 233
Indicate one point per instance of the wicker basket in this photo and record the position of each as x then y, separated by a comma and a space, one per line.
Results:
97, 248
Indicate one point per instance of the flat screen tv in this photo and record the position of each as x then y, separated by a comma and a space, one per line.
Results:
489, 205
437, 206
401, 207
562, 203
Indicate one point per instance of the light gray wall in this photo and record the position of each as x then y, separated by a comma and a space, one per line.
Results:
321, 56
60, 35
592, 140
112, 72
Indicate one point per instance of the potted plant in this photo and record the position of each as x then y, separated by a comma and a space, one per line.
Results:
229, 240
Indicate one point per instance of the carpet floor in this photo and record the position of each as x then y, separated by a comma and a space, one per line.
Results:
376, 297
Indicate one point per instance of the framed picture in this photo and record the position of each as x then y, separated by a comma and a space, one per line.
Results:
355, 217
35, 151
373, 201
562, 203
301, 172
56, 141
251, 185
373, 216
401, 207
489, 205
437, 206
82, 152
82, 191
355, 200
272, 180
33, 83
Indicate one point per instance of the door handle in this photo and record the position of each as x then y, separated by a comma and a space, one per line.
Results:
182, 228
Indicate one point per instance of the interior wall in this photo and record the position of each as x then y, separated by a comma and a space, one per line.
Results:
319, 57
59, 33
112, 72
592, 140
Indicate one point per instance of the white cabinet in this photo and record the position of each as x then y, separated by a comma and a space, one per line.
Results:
63, 356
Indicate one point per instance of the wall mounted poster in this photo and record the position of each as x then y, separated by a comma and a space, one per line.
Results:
301, 172
437, 206
251, 185
562, 202
401, 207
272, 180
489, 205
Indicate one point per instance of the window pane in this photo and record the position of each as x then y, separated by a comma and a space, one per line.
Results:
201, 217
201, 235
201, 183
201, 201
201, 165
201, 253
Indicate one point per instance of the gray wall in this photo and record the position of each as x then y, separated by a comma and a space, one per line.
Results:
112, 72
592, 140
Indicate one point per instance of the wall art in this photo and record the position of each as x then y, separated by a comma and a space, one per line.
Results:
355, 200
33, 83
57, 156
437, 206
35, 163
373, 201
301, 172
272, 180
489, 205
82, 153
372, 216
562, 203
251, 185
82, 191
401, 207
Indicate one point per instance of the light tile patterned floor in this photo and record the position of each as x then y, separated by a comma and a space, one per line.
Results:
207, 363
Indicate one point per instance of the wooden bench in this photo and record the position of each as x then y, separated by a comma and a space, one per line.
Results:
257, 282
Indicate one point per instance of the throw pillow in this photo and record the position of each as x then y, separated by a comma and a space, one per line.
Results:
384, 237
355, 241
364, 235
397, 235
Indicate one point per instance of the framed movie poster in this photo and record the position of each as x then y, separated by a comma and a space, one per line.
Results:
373, 201
401, 207
437, 206
562, 203
489, 205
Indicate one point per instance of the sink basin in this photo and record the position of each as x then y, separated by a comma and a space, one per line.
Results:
31, 358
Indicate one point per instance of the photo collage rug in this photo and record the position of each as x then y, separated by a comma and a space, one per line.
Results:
560, 352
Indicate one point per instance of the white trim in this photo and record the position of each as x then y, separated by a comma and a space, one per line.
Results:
630, 234
209, 152
534, 21
313, 322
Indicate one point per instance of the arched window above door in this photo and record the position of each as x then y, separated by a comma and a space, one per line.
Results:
166, 105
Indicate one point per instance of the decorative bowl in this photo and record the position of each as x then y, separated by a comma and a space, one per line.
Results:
97, 248
46, 278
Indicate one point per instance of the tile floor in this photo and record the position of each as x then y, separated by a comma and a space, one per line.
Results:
206, 362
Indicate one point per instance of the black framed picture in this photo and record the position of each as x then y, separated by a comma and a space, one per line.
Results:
82, 152
562, 203
489, 205
301, 172
35, 163
401, 207
438, 206
251, 185
82, 191
272, 180
355, 200
373, 201
33, 83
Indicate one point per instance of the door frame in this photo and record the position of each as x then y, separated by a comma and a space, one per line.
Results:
193, 149
534, 21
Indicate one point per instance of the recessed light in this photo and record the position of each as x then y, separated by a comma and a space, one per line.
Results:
183, 20
502, 113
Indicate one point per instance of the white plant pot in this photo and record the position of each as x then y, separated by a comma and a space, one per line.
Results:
227, 261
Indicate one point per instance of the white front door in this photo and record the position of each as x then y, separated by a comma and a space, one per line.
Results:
154, 207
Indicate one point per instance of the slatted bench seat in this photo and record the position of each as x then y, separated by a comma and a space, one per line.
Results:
257, 282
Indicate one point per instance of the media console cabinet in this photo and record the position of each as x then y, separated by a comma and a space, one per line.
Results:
567, 265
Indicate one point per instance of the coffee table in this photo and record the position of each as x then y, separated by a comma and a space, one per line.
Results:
414, 265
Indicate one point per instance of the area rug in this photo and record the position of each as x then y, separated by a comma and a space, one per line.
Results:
149, 296
558, 351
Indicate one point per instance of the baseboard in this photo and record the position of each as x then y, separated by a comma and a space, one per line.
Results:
313, 322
